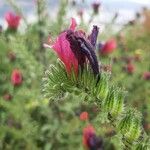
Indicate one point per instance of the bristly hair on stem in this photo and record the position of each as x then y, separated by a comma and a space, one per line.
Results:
127, 122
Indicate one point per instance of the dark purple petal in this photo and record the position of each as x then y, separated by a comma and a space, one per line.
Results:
93, 36
92, 141
95, 143
83, 49
75, 47
100, 46
88, 51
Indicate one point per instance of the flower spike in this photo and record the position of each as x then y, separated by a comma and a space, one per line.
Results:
73, 48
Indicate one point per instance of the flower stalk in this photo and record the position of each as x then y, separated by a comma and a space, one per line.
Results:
96, 85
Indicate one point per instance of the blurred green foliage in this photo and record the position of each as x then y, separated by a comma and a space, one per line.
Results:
29, 121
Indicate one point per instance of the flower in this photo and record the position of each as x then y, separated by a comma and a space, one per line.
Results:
84, 116
88, 132
90, 140
146, 75
62, 47
130, 68
74, 49
108, 47
7, 97
16, 77
12, 20
93, 36
96, 6
83, 48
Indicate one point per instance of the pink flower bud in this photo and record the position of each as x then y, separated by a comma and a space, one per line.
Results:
12, 20
146, 75
108, 47
84, 116
130, 68
16, 77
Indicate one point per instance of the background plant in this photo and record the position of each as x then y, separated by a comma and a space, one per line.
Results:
29, 121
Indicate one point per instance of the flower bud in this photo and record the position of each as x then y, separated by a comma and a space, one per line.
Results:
96, 6
146, 75
16, 77
13, 20
84, 116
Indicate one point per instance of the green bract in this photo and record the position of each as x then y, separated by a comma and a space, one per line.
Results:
108, 97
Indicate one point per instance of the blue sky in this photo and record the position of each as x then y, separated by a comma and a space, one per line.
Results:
126, 8
126, 4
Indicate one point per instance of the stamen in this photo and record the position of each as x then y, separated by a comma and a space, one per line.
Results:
46, 46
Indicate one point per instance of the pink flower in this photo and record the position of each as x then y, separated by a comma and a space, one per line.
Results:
84, 116
74, 49
88, 132
12, 20
108, 47
90, 140
64, 52
16, 77
146, 75
130, 68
